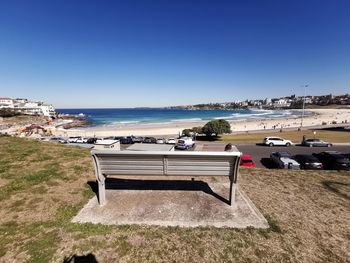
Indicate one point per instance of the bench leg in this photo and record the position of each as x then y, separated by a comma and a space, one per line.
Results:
232, 192
102, 192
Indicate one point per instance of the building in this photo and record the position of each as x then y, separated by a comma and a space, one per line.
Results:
27, 107
107, 145
48, 110
6, 103
281, 103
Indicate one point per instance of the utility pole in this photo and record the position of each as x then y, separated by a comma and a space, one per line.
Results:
303, 112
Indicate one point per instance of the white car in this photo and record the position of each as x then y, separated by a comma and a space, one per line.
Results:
171, 141
184, 143
160, 141
73, 139
81, 140
277, 141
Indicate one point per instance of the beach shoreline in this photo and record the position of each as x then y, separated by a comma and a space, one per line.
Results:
314, 117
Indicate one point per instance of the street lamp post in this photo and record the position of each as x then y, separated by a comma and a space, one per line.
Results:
302, 114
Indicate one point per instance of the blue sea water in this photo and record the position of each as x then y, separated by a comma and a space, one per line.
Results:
139, 116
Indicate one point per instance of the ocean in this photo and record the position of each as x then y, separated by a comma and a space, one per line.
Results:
146, 116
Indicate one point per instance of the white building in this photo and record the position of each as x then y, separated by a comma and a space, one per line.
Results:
6, 103
38, 108
28, 107
281, 103
48, 110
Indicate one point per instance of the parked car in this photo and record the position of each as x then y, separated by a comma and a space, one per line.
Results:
333, 160
126, 140
91, 140
315, 143
113, 138
137, 139
308, 161
81, 140
150, 140
284, 160
58, 139
246, 160
160, 141
185, 143
277, 141
171, 141
73, 139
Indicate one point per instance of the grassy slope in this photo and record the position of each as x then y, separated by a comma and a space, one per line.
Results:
23, 120
44, 185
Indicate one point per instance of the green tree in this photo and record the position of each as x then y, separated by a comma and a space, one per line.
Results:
216, 127
197, 130
186, 132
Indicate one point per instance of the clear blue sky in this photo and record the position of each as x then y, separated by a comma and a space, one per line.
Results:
158, 53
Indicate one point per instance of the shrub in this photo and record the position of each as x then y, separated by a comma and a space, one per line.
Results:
197, 130
8, 113
186, 132
216, 127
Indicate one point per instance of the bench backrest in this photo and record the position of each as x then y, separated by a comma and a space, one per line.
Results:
166, 163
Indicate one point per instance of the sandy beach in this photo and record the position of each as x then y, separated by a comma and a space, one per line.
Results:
315, 117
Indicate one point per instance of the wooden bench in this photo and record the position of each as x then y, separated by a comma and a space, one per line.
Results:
156, 163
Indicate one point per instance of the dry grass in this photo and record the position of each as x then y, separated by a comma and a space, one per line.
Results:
22, 120
308, 214
334, 136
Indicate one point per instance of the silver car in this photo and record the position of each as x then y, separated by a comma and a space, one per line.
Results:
284, 160
315, 143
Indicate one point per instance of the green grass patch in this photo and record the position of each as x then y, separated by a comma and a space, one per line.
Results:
301, 208
32, 178
42, 248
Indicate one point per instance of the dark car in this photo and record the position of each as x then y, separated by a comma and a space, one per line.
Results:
91, 140
58, 139
113, 138
284, 160
137, 139
150, 140
126, 140
315, 143
308, 161
333, 160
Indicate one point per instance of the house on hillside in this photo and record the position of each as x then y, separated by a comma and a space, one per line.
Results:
6, 103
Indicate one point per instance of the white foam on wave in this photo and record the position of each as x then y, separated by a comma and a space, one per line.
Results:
115, 123
127, 122
187, 120
256, 114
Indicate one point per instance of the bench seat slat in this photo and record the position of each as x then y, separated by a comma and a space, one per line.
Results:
132, 172
127, 158
199, 168
131, 163
140, 168
199, 173
218, 164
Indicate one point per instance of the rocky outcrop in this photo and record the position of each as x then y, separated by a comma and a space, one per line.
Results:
76, 123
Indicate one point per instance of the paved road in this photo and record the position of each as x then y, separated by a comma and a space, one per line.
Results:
260, 154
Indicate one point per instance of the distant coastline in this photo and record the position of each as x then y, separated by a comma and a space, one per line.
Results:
312, 118
118, 118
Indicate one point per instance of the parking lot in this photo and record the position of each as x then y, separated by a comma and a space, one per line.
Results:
260, 154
